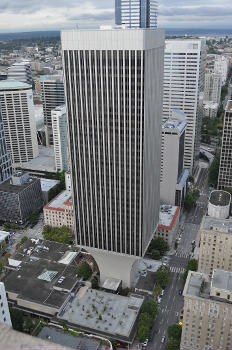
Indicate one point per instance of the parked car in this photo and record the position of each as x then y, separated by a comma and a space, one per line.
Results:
162, 293
159, 300
181, 291
144, 344
163, 339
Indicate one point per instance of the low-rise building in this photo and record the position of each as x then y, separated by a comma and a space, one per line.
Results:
59, 212
219, 204
103, 313
43, 276
207, 317
210, 109
46, 186
168, 223
19, 197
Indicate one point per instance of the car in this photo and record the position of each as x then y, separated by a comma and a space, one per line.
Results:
164, 263
181, 291
144, 344
163, 339
162, 293
159, 300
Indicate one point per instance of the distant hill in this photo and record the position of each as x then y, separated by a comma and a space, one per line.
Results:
28, 35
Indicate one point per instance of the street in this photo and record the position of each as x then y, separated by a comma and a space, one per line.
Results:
172, 302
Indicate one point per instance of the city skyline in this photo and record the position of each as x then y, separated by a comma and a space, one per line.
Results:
21, 16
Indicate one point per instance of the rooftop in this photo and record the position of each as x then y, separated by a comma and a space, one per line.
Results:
182, 180
47, 184
3, 235
194, 283
72, 341
59, 201
111, 284
44, 162
220, 198
173, 124
9, 338
168, 215
109, 314
214, 224
222, 280
13, 84
44, 272
7, 186
229, 106
50, 77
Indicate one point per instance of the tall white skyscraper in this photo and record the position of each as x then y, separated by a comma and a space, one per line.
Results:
5, 158
4, 309
212, 88
60, 137
114, 82
183, 84
20, 71
52, 90
18, 115
136, 13
222, 66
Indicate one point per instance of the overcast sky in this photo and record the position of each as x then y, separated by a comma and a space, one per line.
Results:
26, 15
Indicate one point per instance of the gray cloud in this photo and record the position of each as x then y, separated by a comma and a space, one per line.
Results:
104, 15
209, 11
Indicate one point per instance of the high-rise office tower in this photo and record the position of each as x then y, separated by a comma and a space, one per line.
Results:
5, 159
173, 176
207, 318
114, 94
136, 13
20, 71
225, 169
18, 115
60, 137
4, 309
183, 82
222, 67
212, 88
52, 89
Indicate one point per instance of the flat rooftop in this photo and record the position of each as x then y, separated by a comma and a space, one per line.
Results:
214, 224
66, 339
229, 106
168, 215
194, 284
8, 187
43, 272
44, 162
172, 124
222, 279
104, 313
59, 201
47, 184
3, 235
13, 84
9, 338
220, 198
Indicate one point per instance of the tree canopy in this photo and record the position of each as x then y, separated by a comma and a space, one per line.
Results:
57, 234
214, 170
159, 244
174, 332
150, 307
84, 270
191, 266
155, 254
162, 276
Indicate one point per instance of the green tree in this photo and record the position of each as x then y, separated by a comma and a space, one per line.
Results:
150, 307
155, 254
34, 217
16, 319
28, 325
143, 333
94, 283
174, 332
191, 266
24, 239
157, 291
172, 344
214, 170
145, 319
159, 244
84, 270
57, 234
126, 291
189, 201
162, 276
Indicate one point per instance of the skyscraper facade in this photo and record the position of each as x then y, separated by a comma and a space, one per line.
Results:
60, 137
225, 169
20, 71
136, 13
114, 103
4, 308
5, 159
173, 176
18, 115
52, 90
183, 84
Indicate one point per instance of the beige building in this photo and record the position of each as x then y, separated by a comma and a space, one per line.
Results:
216, 245
207, 318
59, 212
168, 223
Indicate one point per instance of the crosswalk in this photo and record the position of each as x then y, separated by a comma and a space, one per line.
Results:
176, 269
182, 254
